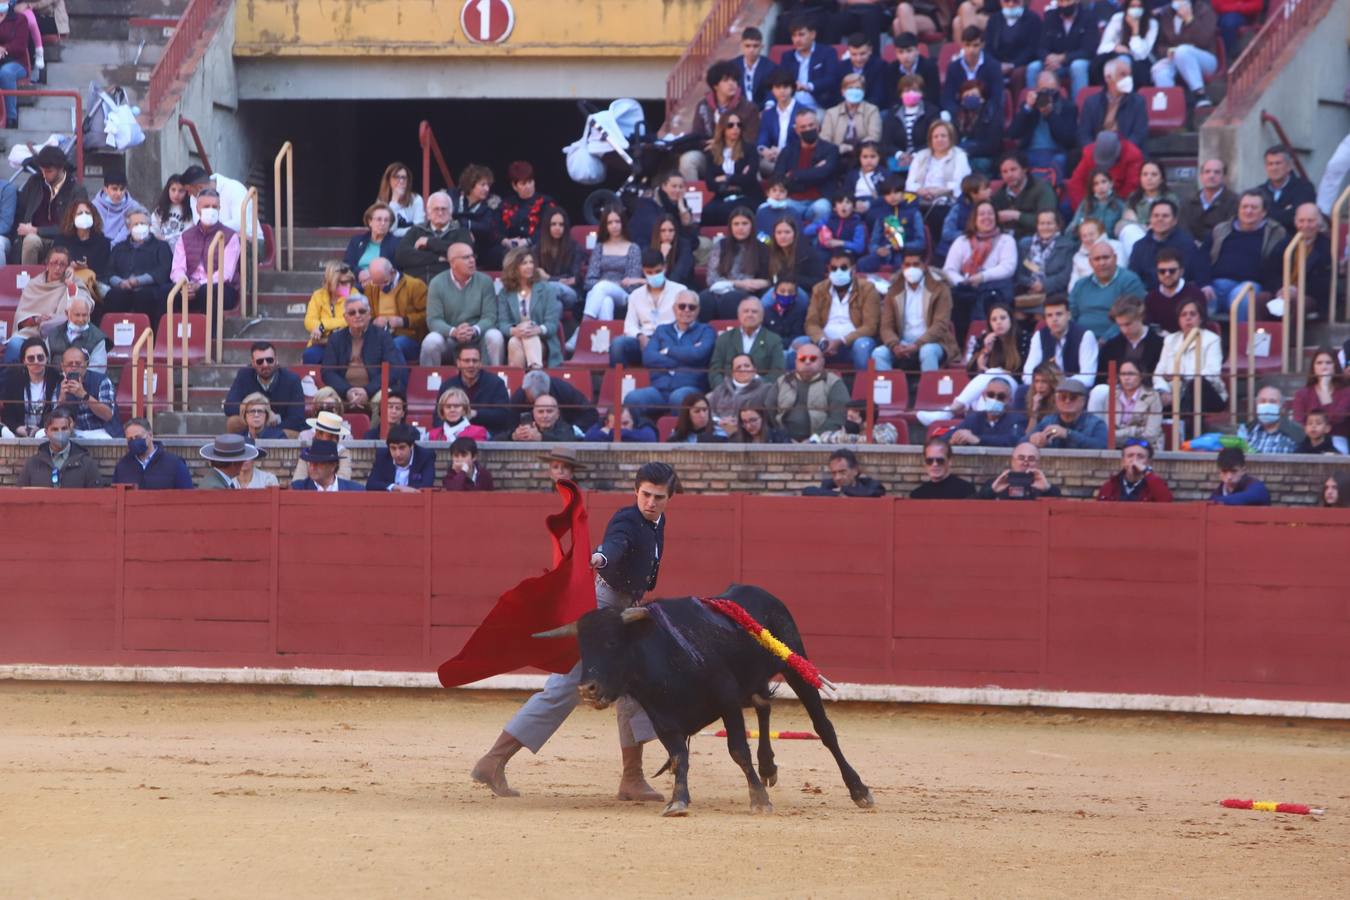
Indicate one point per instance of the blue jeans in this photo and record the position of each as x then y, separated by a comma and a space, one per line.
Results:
1190, 63
312, 356
13, 347
930, 358
647, 402
1225, 289
859, 352
1050, 159
1229, 23
409, 347
626, 350
1078, 76
10, 73
810, 210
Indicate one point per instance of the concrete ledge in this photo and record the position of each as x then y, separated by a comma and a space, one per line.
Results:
868, 693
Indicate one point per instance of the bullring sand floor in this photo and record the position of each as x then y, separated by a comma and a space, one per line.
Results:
150, 791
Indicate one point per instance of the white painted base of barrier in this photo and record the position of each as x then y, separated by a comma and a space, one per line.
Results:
870, 693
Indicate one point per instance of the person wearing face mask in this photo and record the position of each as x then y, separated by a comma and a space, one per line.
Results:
979, 127
76, 331
785, 312
916, 319
229, 192
138, 271
114, 203
1186, 33
1271, 431
147, 465
996, 423
909, 62
809, 167
82, 235
1129, 35
650, 305
324, 315
1068, 43
189, 254
972, 63
844, 314
1118, 109
852, 121
904, 130
91, 397
1013, 37
60, 463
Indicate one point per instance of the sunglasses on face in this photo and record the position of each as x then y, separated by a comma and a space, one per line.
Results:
693, 306
264, 360
1168, 271
935, 460
733, 124
34, 359
808, 359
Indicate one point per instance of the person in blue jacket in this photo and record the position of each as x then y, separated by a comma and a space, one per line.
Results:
147, 465
322, 457
677, 356
377, 240
1236, 487
897, 223
402, 465
846, 229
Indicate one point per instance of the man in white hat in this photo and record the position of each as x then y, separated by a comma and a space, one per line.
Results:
226, 456
326, 426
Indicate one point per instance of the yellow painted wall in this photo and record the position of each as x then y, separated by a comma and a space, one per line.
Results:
559, 28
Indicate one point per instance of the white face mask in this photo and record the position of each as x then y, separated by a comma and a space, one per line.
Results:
209, 216
913, 274
1135, 12
140, 232
1125, 85
84, 220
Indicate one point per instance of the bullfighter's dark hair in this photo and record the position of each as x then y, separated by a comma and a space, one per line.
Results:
657, 473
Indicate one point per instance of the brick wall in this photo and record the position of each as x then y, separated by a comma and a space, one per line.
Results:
783, 469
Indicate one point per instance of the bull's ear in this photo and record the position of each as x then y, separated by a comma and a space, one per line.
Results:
635, 614
562, 631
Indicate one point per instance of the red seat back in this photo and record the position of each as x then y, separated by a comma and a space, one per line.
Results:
157, 389
938, 389
425, 384
582, 234
609, 387
510, 377
945, 57
1166, 108
864, 386
589, 328
665, 427
777, 52
165, 343
1269, 351
358, 422
1086, 93
124, 329
579, 380
721, 325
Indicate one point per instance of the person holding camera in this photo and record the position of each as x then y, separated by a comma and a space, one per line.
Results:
91, 396
1022, 480
1045, 125
1136, 481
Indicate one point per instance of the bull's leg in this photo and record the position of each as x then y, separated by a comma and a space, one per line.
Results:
810, 698
739, 748
678, 748
767, 769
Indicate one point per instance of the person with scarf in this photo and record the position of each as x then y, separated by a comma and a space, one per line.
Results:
478, 210
1136, 481
44, 299
138, 273
523, 208
114, 203
724, 98
1047, 258
980, 266
189, 254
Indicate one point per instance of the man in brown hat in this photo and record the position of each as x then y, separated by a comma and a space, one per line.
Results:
43, 202
562, 464
226, 456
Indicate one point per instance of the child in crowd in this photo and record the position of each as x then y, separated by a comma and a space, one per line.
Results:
842, 229
974, 188
864, 182
172, 213
896, 223
1317, 428
776, 206
113, 202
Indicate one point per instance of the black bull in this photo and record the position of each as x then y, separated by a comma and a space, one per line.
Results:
688, 665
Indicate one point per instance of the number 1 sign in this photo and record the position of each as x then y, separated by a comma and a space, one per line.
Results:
487, 21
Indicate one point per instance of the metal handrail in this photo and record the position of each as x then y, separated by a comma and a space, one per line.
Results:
1256, 63
1247, 292
215, 297
248, 254
1336, 256
1297, 247
688, 71
430, 146
1268, 119
190, 29
191, 126
145, 339
77, 126
1198, 409
179, 291
284, 214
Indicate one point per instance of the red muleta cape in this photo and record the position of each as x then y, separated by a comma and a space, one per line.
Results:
566, 592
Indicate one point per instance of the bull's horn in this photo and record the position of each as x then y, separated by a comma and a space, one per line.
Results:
635, 614
562, 631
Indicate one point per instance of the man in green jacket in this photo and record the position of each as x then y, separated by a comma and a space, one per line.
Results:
751, 339
59, 463
461, 309
1022, 197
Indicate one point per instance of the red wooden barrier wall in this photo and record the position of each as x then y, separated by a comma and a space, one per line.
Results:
1184, 599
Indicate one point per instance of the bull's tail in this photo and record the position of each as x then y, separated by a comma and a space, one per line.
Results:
669, 765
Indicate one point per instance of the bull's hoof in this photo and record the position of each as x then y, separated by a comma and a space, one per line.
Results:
761, 807
676, 809
863, 798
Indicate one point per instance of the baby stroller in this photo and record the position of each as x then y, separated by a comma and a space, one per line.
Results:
615, 143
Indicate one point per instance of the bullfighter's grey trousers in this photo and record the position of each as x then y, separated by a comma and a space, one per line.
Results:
545, 712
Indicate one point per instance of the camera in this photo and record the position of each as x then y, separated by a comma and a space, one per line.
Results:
1045, 97
527, 418
72, 376
1019, 485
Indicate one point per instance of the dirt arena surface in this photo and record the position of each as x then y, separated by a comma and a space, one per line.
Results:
149, 791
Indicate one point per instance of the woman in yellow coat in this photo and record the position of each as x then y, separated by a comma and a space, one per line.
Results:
323, 316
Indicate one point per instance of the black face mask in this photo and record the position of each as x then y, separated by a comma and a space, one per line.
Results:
809, 136
852, 427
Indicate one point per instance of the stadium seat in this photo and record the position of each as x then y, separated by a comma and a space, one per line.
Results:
589, 328
358, 422
721, 325
939, 388
1270, 360
511, 377
124, 329
10, 277
1086, 93
196, 338
941, 427
665, 427
1166, 109
947, 54
583, 233
901, 427
267, 254
609, 386
712, 232
899, 402
158, 385
425, 384
579, 380
777, 52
